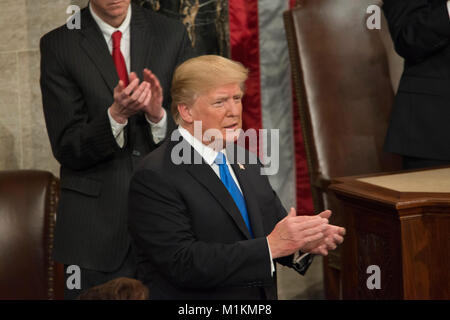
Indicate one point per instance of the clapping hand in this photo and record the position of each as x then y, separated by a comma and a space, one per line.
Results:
131, 99
153, 108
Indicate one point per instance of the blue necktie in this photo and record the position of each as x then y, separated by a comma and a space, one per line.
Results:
232, 188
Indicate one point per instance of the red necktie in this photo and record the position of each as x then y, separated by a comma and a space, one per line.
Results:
119, 61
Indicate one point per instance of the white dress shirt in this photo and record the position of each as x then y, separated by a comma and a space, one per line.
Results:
207, 153
159, 129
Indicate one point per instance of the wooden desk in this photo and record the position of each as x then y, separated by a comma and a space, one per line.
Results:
401, 223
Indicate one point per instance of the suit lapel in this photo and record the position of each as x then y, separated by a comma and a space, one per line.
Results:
243, 177
141, 40
206, 176
94, 44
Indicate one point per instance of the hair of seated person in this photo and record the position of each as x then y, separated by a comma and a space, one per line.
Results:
116, 289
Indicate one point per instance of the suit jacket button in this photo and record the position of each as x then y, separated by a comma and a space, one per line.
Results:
136, 153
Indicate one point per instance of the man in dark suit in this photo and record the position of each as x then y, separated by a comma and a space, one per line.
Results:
419, 122
207, 226
104, 110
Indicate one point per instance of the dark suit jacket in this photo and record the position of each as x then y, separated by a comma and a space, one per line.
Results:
192, 240
419, 122
77, 81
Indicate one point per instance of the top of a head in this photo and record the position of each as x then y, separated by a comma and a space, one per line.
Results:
200, 74
209, 71
117, 289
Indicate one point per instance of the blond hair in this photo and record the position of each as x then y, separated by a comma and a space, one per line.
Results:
198, 75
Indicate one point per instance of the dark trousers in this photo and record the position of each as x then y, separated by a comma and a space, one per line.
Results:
410, 163
91, 278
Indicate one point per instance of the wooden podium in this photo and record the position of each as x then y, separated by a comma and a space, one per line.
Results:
401, 223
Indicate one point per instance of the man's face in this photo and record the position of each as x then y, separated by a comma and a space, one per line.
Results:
111, 8
221, 109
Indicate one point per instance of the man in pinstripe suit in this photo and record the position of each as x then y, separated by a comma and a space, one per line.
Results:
104, 110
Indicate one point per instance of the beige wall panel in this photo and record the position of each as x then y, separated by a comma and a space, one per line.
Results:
10, 138
13, 23
36, 149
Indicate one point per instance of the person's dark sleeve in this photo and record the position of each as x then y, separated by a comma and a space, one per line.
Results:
159, 223
78, 142
281, 213
185, 52
418, 28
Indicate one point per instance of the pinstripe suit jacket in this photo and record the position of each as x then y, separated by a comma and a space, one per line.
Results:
78, 77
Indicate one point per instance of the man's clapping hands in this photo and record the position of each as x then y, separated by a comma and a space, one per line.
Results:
146, 96
309, 234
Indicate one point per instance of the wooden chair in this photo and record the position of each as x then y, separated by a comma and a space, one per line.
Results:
344, 76
28, 201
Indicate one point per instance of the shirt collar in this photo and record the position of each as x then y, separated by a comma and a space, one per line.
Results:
107, 29
207, 153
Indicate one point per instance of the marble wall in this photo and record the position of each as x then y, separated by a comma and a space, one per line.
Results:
23, 137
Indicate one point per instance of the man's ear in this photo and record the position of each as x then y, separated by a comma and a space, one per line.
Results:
185, 113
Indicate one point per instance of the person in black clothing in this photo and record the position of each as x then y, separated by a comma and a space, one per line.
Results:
100, 127
418, 128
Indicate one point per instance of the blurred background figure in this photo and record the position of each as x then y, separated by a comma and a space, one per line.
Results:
419, 120
116, 289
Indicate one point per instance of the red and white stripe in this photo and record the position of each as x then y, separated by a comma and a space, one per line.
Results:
257, 39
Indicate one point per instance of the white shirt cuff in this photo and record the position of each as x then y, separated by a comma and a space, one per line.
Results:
158, 129
272, 267
117, 129
448, 8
